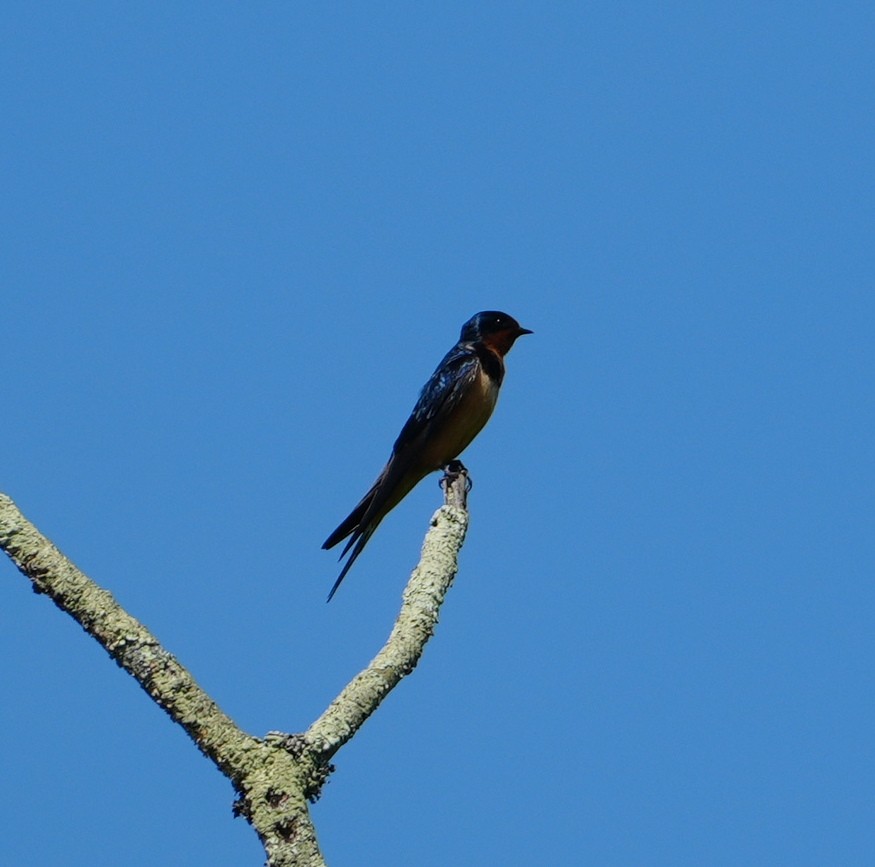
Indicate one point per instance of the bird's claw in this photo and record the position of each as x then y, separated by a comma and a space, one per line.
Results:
453, 471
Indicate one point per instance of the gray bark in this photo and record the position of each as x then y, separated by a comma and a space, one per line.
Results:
275, 776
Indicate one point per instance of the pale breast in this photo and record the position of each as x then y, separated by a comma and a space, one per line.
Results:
465, 422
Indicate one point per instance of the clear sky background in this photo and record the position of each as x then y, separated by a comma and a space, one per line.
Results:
236, 240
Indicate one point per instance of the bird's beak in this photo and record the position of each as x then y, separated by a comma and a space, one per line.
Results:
521, 331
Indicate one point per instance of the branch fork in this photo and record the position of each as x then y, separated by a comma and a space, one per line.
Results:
276, 776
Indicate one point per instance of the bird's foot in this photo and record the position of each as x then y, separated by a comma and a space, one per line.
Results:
456, 483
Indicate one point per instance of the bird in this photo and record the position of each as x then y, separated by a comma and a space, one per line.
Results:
452, 408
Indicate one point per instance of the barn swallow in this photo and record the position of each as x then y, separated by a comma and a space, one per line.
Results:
452, 408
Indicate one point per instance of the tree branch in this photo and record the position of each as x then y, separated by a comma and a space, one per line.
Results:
277, 775
270, 782
126, 640
416, 622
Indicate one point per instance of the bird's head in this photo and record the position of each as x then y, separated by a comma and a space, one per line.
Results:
496, 330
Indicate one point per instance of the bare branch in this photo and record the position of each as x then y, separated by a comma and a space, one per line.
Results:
271, 782
277, 775
423, 597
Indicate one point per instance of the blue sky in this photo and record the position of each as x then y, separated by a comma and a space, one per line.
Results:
236, 241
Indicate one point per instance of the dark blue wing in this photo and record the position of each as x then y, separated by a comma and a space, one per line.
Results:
447, 385
441, 393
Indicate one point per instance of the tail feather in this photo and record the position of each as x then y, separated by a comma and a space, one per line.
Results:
353, 525
357, 517
349, 523
392, 486
359, 540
